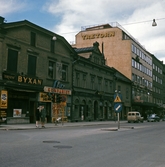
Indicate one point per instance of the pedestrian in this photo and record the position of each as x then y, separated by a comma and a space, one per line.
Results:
43, 116
38, 116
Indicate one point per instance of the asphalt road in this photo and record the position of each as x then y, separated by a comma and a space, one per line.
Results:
88, 146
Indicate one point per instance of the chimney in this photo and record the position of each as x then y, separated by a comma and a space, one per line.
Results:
102, 47
2, 20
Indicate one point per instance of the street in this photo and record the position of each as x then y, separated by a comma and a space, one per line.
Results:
86, 146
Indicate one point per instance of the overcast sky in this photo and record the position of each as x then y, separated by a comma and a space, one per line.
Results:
66, 17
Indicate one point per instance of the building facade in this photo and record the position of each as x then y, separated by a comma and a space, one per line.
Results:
34, 64
128, 56
158, 92
94, 86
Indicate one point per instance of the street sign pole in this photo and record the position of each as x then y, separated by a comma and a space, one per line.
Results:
118, 107
118, 116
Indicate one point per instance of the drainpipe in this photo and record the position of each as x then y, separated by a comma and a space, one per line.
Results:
73, 63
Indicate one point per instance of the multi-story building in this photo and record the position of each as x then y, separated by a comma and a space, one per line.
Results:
158, 92
125, 54
94, 85
163, 73
34, 63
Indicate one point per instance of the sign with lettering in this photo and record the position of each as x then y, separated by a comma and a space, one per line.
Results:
58, 91
22, 79
29, 80
98, 35
43, 97
3, 99
3, 115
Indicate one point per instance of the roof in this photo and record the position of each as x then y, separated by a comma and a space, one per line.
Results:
83, 50
27, 23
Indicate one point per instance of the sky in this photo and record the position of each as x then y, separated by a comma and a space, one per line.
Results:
67, 17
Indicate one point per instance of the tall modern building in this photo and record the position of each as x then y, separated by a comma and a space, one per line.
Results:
128, 56
158, 86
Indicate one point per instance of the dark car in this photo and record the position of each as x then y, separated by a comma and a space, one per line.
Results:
163, 118
153, 118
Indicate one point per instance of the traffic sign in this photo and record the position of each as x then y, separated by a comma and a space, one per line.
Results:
117, 99
118, 107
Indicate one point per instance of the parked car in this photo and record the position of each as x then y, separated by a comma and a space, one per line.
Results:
153, 118
134, 116
163, 118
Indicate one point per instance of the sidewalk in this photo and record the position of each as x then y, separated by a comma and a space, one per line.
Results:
59, 125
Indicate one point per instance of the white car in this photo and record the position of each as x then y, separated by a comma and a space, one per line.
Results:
134, 116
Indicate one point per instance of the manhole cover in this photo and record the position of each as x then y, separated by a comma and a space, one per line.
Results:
51, 142
60, 147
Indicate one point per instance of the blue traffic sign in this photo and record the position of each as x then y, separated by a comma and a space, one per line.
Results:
118, 107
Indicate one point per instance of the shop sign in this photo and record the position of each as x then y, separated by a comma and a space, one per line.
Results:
3, 115
43, 97
29, 80
57, 91
22, 79
98, 35
3, 99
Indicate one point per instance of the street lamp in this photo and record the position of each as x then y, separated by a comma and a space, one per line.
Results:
154, 23
54, 38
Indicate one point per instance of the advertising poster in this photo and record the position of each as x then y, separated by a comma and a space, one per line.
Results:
43, 97
17, 112
3, 99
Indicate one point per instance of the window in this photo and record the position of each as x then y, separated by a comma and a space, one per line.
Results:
119, 88
137, 65
64, 72
51, 69
84, 80
138, 79
99, 84
133, 77
12, 60
137, 51
127, 93
92, 81
133, 63
77, 79
106, 85
132, 48
140, 53
153, 66
140, 67
33, 39
31, 65
111, 86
